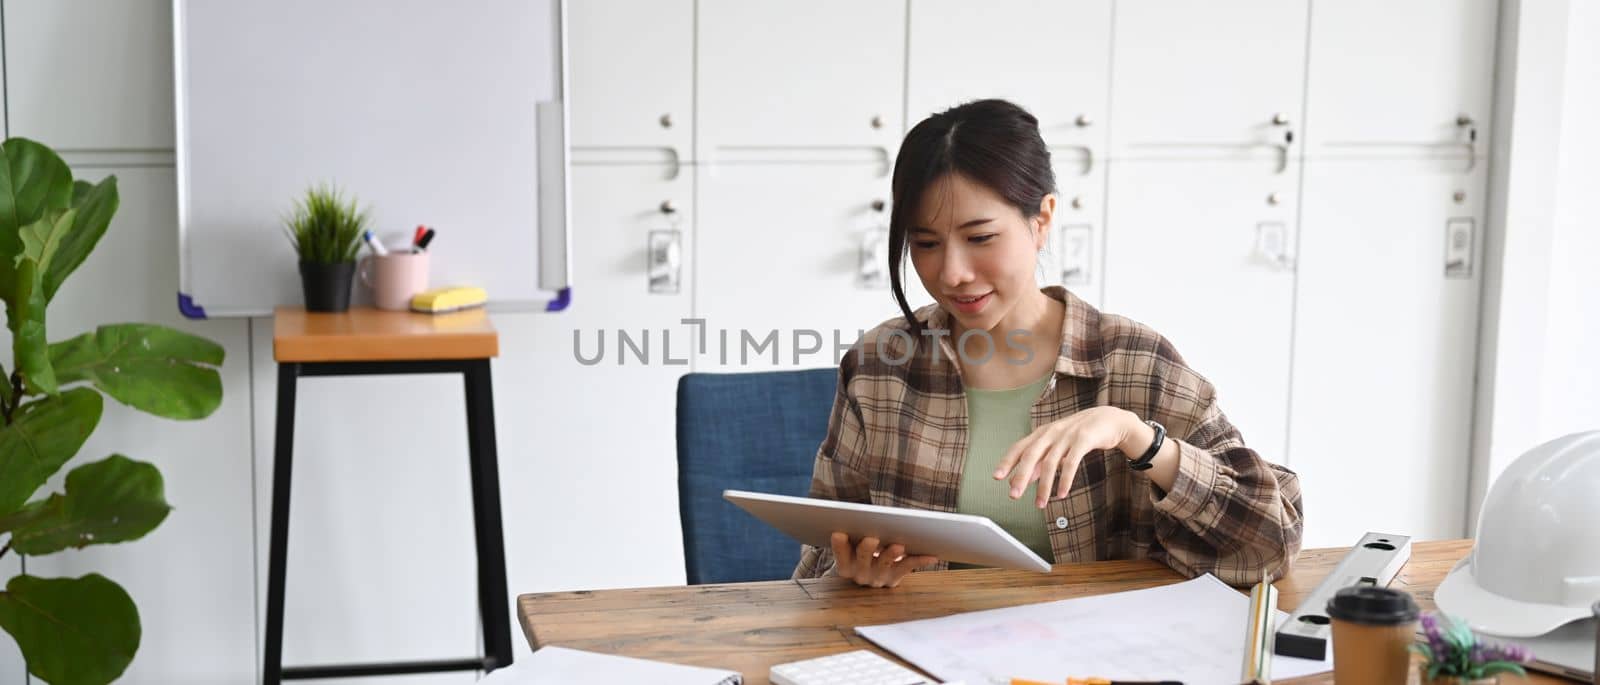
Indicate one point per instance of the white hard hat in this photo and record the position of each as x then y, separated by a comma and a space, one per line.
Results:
1536, 564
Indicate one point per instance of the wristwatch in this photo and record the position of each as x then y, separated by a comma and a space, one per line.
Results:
1144, 460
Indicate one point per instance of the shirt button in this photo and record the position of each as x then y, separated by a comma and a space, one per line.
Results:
1061, 522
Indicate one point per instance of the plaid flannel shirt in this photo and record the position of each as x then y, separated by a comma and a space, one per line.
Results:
898, 436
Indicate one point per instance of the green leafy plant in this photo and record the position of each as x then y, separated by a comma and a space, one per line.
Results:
76, 631
324, 228
1453, 651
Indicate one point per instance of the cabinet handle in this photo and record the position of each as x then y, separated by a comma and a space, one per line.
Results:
1280, 119
878, 205
1083, 121
668, 208
877, 121
1274, 199
1077, 202
666, 261
666, 121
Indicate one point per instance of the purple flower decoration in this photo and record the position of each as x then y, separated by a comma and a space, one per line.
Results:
1452, 649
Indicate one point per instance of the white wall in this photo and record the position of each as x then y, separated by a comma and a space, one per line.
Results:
1569, 398
1539, 377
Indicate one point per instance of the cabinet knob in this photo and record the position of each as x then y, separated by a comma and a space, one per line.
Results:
1460, 196
666, 121
1077, 202
1083, 120
1274, 199
1463, 120
1280, 119
877, 121
667, 207
877, 205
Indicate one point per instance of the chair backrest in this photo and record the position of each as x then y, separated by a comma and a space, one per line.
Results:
745, 431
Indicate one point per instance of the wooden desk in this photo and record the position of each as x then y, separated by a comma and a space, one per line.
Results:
367, 341
750, 627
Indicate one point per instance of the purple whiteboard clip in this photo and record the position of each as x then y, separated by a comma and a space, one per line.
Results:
563, 298
189, 309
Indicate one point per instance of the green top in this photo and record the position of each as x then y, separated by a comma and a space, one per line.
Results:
997, 420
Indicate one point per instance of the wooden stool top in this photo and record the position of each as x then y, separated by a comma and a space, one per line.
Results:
367, 334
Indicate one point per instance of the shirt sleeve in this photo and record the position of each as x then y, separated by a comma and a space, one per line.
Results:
1230, 512
835, 475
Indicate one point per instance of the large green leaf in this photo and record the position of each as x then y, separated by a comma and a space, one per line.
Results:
25, 315
94, 205
42, 436
41, 239
115, 499
72, 631
151, 368
33, 180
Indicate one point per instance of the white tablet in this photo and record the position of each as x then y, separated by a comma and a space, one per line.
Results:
963, 538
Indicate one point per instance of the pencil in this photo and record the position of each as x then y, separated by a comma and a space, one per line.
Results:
1259, 633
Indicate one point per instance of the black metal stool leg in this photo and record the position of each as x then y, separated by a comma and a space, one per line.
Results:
493, 599
278, 554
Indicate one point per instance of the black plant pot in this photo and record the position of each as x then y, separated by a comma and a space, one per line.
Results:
327, 286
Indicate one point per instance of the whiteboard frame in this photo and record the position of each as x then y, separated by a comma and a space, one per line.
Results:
555, 214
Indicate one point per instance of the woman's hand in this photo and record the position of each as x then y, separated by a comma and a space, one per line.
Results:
866, 564
1052, 452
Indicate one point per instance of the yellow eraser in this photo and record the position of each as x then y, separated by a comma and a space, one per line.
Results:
448, 299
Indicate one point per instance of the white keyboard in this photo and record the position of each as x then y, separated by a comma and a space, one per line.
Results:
861, 667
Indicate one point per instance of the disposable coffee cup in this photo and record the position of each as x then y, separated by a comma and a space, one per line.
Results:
1373, 628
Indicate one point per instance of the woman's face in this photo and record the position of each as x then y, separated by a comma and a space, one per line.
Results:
975, 253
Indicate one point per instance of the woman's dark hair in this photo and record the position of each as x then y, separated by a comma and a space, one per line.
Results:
992, 142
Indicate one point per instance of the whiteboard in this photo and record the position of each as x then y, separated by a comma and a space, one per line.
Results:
439, 113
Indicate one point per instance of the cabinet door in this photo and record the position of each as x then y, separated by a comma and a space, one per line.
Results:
1073, 257
1385, 343
631, 64
1221, 73
1202, 252
588, 442
1056, 62
192, 577
90, 74
774, 266
1358, 99
826, 76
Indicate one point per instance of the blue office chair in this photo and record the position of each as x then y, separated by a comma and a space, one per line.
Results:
745, 431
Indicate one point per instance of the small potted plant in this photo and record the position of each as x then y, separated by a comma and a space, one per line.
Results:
1454, 655
326, 232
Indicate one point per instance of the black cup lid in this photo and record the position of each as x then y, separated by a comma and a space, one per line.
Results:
1372, 605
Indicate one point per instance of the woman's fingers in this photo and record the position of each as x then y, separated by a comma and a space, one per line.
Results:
1029, 465
843, 559
1009, 461
908, 564
1048, 467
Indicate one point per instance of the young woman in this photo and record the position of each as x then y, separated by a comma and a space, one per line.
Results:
1081, 433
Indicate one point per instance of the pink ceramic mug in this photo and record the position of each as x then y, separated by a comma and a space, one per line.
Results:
395, 277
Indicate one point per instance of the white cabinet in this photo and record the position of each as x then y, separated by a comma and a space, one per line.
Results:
1385, 345
1202, 252
90, 74
1385, 75
631, 69
588, 465
780, 257
1225, 73
1055, 62
826, 77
